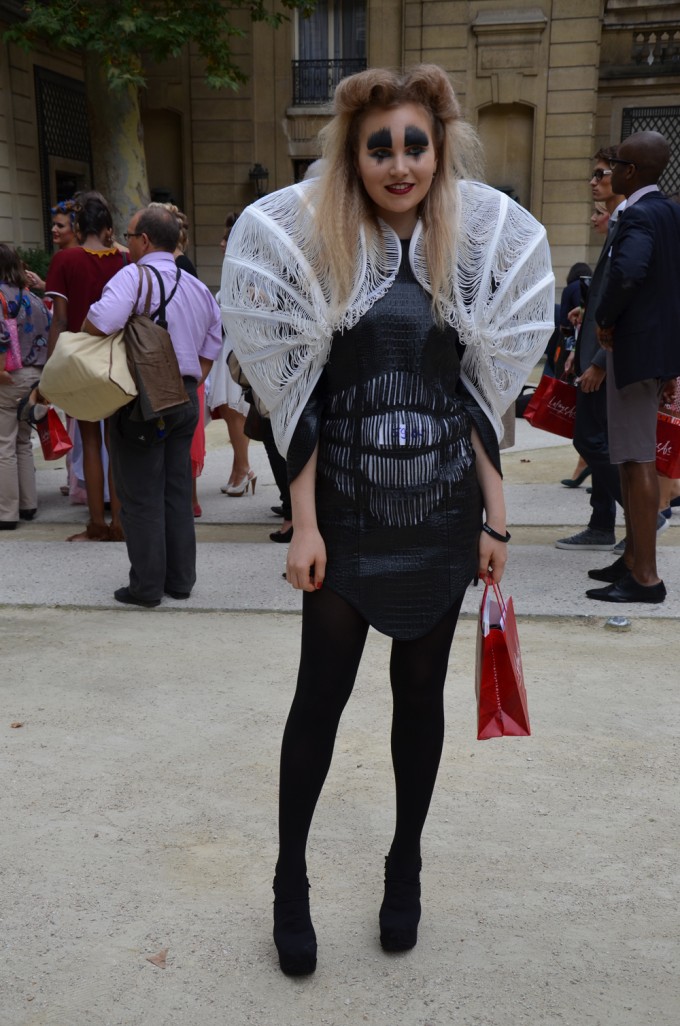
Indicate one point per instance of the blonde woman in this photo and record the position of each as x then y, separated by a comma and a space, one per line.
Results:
386, 313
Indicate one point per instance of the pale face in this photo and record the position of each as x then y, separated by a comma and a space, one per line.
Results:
396, 161
62, 232
600, 221
601, 188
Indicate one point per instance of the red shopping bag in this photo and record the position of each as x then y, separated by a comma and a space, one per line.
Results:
53, 436
668, 445
553, 407
501, 696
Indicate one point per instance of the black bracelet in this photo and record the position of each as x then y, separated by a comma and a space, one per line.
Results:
494, 534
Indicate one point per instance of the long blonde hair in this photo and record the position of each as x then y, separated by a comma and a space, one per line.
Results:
342, 203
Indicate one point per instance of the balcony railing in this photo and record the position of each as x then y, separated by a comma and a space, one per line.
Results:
314, 82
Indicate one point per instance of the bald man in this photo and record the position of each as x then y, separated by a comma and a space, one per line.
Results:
638, 323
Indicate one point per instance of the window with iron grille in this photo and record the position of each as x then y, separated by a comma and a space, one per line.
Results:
63, 139
658, 119
331, 44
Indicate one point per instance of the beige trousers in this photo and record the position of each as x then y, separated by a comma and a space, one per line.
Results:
17, 469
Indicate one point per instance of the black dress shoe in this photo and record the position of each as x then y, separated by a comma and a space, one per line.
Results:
611, 574
126, 596
628, 590
282, 536
277, 510
8, 525
177, 594
27, 514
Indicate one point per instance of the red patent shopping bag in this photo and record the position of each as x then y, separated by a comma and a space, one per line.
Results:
502, 709
552, 407
668, 445
668, 434
53, 436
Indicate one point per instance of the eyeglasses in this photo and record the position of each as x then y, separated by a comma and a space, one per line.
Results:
132, 235
598, 174
617, 160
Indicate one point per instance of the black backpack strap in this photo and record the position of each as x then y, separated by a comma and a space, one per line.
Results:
159, 315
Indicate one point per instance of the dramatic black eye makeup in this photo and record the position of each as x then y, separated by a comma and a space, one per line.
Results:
380, 139
415, 137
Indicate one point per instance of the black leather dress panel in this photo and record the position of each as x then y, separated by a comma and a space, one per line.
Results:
398, 502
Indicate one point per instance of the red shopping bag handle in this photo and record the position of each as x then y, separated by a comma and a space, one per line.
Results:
497, 590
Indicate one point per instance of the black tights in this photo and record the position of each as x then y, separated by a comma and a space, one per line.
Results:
333, 638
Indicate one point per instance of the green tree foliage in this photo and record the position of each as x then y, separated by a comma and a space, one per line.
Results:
124, 33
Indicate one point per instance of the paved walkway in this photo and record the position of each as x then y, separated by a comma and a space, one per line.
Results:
139, 760
239, 568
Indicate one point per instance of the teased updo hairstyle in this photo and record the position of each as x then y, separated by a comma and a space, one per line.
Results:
11, 267
342, 199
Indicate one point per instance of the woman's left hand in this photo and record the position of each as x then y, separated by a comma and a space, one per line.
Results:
5, 378
492, 557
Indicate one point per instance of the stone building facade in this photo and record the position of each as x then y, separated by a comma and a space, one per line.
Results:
546, 82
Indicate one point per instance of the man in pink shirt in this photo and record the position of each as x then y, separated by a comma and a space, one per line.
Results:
151, 459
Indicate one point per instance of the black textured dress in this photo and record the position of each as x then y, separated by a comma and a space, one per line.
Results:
398, 502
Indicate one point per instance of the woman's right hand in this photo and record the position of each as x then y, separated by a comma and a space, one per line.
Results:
306, 563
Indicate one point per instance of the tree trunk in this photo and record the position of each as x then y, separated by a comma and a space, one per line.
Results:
117, 141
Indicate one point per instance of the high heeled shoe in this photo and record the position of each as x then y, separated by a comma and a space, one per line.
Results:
575, 482
294, 934
400, 911
241, 487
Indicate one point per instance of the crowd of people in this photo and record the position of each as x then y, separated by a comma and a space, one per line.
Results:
383, 315
623, 272
86, 256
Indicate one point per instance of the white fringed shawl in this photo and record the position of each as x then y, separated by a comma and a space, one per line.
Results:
276, 312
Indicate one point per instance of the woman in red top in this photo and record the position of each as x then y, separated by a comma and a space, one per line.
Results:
75, 280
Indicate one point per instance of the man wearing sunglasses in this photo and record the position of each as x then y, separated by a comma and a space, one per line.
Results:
637, 324
588, 363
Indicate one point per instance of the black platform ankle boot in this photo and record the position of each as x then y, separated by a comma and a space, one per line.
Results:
400, 910
293, 931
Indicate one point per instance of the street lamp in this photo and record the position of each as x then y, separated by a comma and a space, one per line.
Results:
259, 176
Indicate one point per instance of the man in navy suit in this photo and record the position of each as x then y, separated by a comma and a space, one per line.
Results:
638, 323
590, 428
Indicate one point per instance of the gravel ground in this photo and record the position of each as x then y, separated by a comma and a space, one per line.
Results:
138, 811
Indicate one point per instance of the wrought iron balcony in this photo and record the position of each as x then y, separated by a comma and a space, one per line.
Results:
314, 82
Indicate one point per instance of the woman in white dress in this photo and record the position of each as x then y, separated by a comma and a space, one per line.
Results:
225, 401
